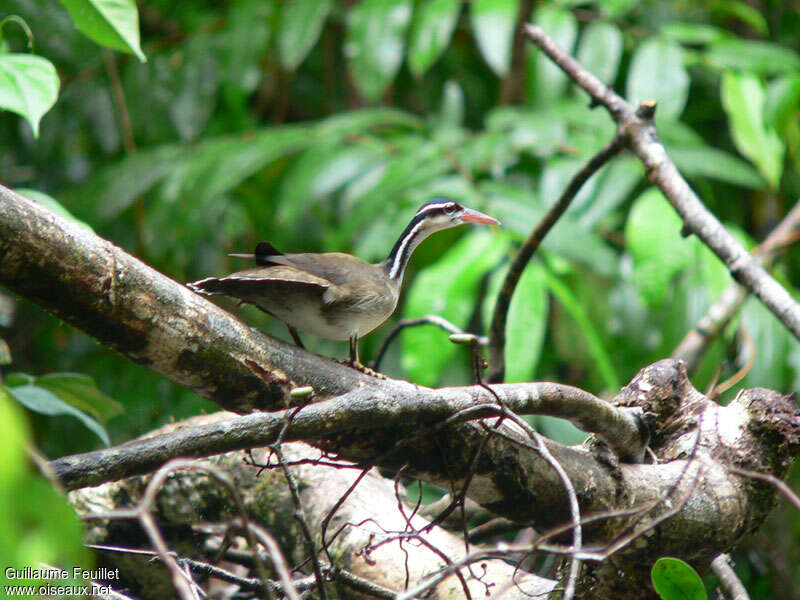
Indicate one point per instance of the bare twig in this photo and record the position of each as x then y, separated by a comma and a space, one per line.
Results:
637, 131
776, 482
436, 320
731, 583
694, 344
497, 330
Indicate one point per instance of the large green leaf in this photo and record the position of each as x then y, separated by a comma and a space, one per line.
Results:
81, 391
548, 82
705, 161
45, 402
659, 252
374, 48
526, 323
301, 24
783, 101
676, 580
743, 99
493, 25
600, 50
752, 55
28, 86
431, 30
657, 73
112, 23
600, 354
447, 288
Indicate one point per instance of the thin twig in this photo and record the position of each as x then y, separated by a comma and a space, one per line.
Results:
776, 482
497, 330
693, 346
721, 566
436, 320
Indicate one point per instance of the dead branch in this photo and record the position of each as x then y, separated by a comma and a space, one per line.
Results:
637, 131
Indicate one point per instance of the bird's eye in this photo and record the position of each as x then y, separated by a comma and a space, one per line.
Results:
450, 208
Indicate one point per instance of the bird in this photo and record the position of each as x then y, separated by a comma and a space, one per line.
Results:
335, 295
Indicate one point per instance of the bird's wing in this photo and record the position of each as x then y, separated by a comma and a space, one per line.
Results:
256, 282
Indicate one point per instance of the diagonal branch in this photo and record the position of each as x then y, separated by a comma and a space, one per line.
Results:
497, 330
638, 132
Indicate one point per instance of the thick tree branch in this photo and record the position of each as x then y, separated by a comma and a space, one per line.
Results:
638, 132
360, 411
153, 320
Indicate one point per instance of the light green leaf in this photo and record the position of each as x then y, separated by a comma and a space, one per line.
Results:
446, 288
600, 50
301, 24
112, 23
51, 204
713, 163
44, 402
744, 13
658, 250
764, 58
28, 86
694, 33
743, 100
493, 26
676, 580
81, 391
548, 83
527, 320
783, 101
374, 48
614, 184
657, 73
431, 30
600, 354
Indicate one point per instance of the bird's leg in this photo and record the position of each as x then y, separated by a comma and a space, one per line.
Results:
354, 362
296, 337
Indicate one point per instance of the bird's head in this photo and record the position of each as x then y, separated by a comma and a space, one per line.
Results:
443, 213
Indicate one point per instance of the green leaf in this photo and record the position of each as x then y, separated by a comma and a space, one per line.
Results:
81, 391
706, 161
548, 82
659, 252
527, 320
431, 30
319, 172
44, 402
746, 14
764, 58
374, 48
743, 100
600, 354
447, 288
694, 33
112, 23
783, 102
657, 73
51, 204
301, 24
614, 184
28, 86
676, 580
600, 50
493, 26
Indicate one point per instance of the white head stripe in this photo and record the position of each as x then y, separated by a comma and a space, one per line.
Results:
430, 207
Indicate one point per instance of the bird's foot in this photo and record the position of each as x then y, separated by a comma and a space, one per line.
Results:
363, 369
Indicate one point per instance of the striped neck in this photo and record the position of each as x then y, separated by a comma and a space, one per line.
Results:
413, 235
